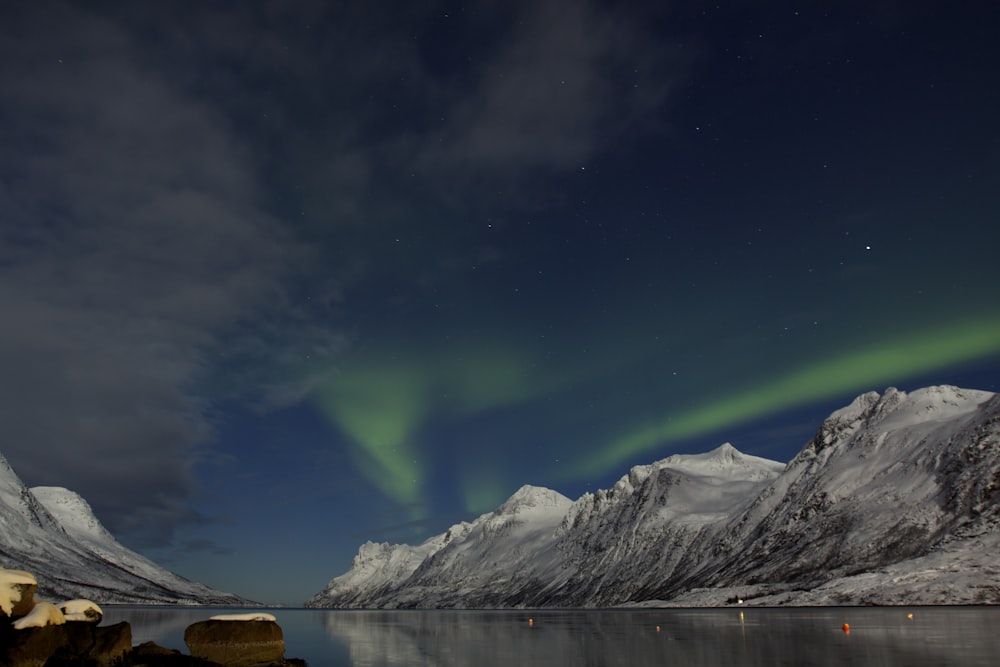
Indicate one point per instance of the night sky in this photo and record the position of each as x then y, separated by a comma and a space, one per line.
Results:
277, 278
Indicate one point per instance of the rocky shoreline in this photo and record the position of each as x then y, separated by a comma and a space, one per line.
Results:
36, 633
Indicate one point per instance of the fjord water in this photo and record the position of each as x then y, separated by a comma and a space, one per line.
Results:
916, 636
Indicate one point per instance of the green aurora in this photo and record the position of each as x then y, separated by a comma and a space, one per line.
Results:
386, 409
883, 362
383, 408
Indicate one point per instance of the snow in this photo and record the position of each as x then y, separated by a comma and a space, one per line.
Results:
534, 500
931, 405
258, 616
11, 583
518, 535
42, 614
724, 461
72, 512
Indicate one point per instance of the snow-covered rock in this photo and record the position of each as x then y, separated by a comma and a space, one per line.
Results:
83, 611
41, 615
896, 494
52, 532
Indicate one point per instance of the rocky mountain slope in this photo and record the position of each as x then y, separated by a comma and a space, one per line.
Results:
52, 532
896, 499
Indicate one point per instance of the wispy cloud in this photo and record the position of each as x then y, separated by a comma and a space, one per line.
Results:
134, 244
564, 83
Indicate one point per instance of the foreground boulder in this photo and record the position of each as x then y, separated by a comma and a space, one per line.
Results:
67, 644
35, 633
236, 643
151, 654
31, 647
87, 645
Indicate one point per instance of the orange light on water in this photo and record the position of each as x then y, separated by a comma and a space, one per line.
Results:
846, 627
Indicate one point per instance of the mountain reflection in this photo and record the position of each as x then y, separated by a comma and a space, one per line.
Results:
755, 637
445, 638
750, 637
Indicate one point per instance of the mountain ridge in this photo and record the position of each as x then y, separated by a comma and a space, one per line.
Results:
887, 480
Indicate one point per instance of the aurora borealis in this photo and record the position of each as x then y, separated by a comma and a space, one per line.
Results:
281, 278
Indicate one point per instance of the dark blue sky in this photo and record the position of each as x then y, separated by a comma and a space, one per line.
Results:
282, 277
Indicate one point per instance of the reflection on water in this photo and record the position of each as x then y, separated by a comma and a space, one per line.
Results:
751, 637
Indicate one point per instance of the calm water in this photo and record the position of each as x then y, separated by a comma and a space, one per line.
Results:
759, 637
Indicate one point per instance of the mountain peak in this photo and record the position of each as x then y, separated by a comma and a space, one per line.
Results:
726, 453
724, 460
895, 409
529, 497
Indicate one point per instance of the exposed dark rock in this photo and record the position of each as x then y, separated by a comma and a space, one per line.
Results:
110, 644
150, 654
31, 647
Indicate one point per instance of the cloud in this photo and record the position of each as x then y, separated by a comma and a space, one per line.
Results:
449, 109
162, 168
542, 88
134, 246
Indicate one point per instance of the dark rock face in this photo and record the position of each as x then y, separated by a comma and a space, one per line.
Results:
236, 643
110, 645
68, 644
31, 647
151, 654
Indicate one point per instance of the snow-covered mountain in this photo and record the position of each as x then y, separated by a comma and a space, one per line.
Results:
52, 533
896, 499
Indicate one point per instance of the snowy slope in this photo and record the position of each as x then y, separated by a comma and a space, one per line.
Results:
52, 533
897, 498
655, 524
493, 552
884, 480
377, 567
73, 514
539, 548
